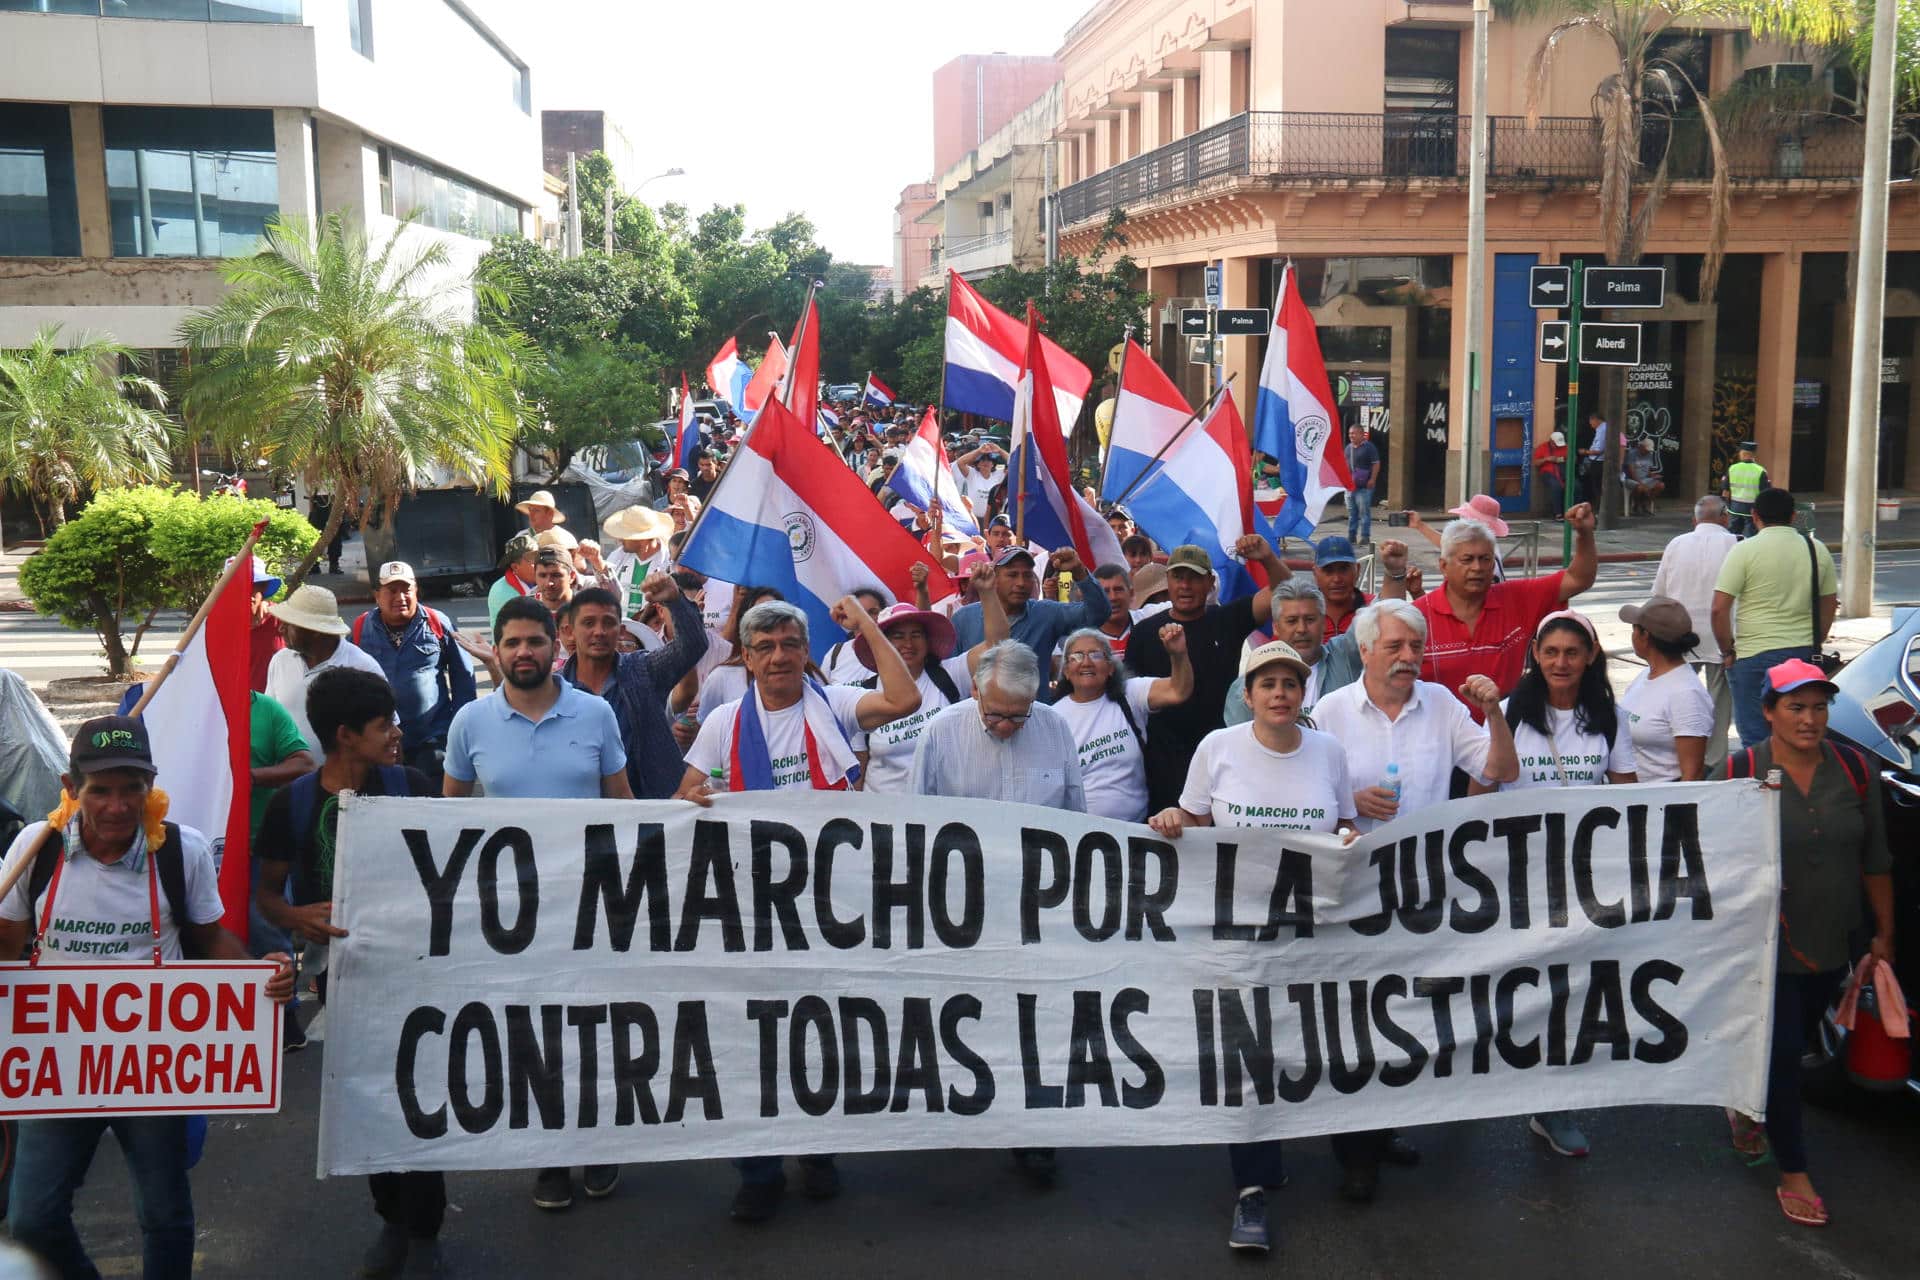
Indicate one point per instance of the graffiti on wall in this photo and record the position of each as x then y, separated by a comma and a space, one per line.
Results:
1733, 400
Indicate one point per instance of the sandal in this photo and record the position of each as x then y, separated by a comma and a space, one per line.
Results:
1749, 1135
1808, 1211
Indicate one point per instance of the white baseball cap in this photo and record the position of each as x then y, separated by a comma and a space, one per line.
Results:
397, 571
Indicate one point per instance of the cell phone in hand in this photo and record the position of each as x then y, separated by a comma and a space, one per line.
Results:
1397, 520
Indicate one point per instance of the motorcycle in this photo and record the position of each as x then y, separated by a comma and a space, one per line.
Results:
1878, 711
226, 482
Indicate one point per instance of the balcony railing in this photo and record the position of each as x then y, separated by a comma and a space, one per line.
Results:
275, 11
973, 244
1338, 147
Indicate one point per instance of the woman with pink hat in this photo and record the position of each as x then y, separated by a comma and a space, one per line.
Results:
925, 641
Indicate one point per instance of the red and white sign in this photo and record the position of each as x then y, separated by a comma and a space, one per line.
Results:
138, 1039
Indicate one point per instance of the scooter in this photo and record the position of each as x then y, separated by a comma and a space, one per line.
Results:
1878, 711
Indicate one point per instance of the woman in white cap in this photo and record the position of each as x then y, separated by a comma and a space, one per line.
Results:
925, 642
540, 510
1107, 710
1567, 733
1669, 712
1271, 772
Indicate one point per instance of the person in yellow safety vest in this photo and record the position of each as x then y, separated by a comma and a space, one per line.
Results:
1745, 479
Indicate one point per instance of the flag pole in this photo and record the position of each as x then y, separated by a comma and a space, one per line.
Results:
1205, 408
1119, 386
244, 556
799, 341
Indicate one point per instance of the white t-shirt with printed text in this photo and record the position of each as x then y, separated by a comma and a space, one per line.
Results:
104, 914
890, 746
1585, 758
1241, 783
1113, 760
1655, 711
786, 738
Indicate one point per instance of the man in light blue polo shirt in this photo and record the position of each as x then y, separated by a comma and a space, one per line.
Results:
538, 737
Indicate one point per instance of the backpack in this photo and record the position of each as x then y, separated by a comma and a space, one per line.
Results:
169, 861
304, 792
1852, 761
936, 672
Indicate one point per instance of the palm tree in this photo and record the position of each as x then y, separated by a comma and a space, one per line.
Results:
68, 423
1638, 102
355, 368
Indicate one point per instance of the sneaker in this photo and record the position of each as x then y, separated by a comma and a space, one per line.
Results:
387, 1254
1250, 1222
758, 1201
292, 1038
1561, 1133
599, 1180
553, 1189
819, 1179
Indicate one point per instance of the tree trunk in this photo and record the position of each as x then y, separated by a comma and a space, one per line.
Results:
562, 459
336, 516
106, 624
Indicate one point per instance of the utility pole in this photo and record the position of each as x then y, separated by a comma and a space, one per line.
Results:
1869, 313
1476, 309
573, 207
606, 221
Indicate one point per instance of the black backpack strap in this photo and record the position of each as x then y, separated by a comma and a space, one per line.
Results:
943, 681
1740, 764
1127, 712
41, 876
170, 861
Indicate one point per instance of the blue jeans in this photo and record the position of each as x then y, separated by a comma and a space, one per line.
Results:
1360, 515
1748, 678
1799, 1001
51, 1163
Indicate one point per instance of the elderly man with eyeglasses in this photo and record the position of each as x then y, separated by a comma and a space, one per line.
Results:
1002, 744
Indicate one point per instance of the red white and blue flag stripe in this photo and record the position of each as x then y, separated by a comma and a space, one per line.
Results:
985, 352
686, 439
789, 515
765, 383
878, 394
1048, 510
1201, 490
1294, 418
924, 478
728, 375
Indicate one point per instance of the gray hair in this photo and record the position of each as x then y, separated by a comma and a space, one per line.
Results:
1709, 509
1366, 623
1010, 667
1301, 588
1117, 672
769, 616
1459, 532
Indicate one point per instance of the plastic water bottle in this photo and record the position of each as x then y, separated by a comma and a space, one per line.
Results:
1391, 782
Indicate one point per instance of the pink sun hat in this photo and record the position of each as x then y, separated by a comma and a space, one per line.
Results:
1484, 509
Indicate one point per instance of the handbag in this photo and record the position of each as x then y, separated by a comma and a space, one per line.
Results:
1828, 660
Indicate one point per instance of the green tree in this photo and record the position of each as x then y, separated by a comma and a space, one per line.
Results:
70, 422
596, 393
132, 552
356, 367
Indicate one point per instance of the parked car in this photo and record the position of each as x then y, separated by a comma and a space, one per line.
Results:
844, 391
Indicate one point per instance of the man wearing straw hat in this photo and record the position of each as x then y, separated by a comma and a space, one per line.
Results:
540, 511
316, 641
112, 881
643, 534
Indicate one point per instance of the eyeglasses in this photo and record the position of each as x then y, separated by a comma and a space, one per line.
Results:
994, 717
1087, 659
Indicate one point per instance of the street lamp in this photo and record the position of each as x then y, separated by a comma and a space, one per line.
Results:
606, 224
670, 173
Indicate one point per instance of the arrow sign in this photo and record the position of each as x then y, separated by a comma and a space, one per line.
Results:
1553, 342
1625, 287
1241, 322
1610, 344
1193, 322
1549, 287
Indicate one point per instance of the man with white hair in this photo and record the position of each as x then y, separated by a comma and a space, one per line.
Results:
1689, 567
1003, 744
1404, 737
1479, 627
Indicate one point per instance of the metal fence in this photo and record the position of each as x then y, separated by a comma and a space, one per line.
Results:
1338, 147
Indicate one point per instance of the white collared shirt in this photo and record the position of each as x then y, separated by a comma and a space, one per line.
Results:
1433, 735
1689, 568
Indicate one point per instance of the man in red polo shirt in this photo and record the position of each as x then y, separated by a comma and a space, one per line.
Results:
1479, 627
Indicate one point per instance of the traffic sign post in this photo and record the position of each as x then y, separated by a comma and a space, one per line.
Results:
1554, 343
1571, 465
1548, 287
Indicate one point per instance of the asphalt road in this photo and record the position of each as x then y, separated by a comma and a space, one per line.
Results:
1662, 1195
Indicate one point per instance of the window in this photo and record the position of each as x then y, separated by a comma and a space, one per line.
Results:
480, 45
360, 26
1423, 70
443, 200
187, 182
38, 214
284, 12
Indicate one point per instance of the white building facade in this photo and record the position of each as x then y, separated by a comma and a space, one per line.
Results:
137, 150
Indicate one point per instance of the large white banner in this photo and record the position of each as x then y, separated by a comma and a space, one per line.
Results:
533, 983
